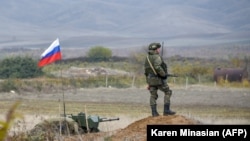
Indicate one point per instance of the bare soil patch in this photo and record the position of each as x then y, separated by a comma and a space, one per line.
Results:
137, 130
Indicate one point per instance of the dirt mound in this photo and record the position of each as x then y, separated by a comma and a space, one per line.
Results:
137, 130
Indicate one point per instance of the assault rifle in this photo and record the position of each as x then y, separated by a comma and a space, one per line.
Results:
172, 75
162, 49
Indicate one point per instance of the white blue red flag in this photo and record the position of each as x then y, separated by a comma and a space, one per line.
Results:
51, 54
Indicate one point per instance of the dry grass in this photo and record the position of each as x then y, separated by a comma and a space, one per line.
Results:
6, 125
202, 103
40, 110
127, 114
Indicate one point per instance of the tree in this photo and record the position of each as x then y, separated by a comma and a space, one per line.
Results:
99, 53
19, 67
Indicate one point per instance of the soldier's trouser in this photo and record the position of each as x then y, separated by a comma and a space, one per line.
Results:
154, 95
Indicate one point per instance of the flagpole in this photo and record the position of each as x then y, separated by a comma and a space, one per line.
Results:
64, 113
50, 55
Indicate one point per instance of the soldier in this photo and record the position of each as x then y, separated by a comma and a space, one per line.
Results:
156, 75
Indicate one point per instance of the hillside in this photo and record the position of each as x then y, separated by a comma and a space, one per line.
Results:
119, 24
221, 51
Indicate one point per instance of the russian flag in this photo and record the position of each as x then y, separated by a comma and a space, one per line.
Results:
51, 54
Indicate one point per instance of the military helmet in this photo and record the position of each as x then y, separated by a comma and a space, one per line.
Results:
154, 46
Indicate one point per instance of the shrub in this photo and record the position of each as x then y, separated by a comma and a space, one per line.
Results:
99, 53
19, 67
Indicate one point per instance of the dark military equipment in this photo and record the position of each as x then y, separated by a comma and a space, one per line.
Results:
162, 51
233, 74
230, 74
91, 123
69, 124
172, 75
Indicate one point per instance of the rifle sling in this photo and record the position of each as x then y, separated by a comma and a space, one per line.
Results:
151, 66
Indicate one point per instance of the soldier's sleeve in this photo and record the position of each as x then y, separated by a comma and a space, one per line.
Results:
165, 67
158, 68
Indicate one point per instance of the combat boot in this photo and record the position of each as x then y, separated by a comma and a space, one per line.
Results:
154, 111
167, 110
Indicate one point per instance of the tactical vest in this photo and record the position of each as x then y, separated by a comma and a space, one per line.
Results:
159, 66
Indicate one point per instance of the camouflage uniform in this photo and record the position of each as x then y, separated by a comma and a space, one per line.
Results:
158, 80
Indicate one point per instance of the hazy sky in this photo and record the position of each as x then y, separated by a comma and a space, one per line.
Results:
134, 22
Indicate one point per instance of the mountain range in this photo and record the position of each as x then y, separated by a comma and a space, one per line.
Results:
123, 24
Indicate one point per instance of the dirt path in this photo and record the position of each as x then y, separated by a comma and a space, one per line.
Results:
191, 96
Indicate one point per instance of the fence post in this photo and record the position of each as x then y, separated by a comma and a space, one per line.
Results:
133, 81
186, 82
106, 80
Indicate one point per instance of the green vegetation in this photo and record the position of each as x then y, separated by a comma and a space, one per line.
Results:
19, 67
99, 53
21, 74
